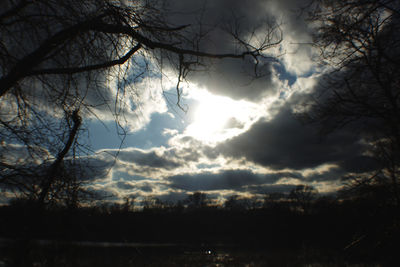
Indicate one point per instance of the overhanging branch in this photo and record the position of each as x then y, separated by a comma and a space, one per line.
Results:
104, 65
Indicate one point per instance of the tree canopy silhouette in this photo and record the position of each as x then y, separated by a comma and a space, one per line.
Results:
360, 48
60, 60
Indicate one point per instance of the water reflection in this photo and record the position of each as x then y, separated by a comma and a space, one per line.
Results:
48, 253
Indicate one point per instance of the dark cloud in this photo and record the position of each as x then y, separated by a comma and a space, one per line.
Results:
269, 188
230, 180
20, 170
236, 79
190, 152
360, 164
172, 196
332, 174
149, 159
249, 20
121, 175
293, 15
283, 142
146, 187
94, 169
213, 16
104, 193
124, 185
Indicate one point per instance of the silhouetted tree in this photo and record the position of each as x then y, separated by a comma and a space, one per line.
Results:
274, 200
55, 181
360, 48
302, 197
238, 203
149, 203
232, 203
129, 204
57, 57
196, 200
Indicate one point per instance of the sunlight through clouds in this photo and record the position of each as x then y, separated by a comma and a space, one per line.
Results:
217, 118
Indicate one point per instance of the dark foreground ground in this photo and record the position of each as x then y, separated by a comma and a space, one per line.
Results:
327, 233
50, 253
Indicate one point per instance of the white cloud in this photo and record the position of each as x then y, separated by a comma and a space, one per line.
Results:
133, 109
170, 132
217, 118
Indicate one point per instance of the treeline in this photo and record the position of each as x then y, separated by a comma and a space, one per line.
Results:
353, 223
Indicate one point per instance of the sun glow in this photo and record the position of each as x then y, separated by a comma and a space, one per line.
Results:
217, 118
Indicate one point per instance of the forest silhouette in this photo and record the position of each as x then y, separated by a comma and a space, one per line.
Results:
360, 226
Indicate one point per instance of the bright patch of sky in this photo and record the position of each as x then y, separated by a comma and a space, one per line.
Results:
217, 118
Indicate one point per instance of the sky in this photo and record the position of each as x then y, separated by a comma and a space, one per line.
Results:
235, 135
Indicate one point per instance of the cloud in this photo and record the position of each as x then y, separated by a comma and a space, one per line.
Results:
19, 154
146, 188
170, 132
234, 123
172, 196
136, 187
235, 78
133, 109
92, 169
283, 142
297, 53
273, 152
224, 180
124, 185
128, 93
21, 172
269, 188
211, 25
133, 164
146, 158
251, 21
360, 164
